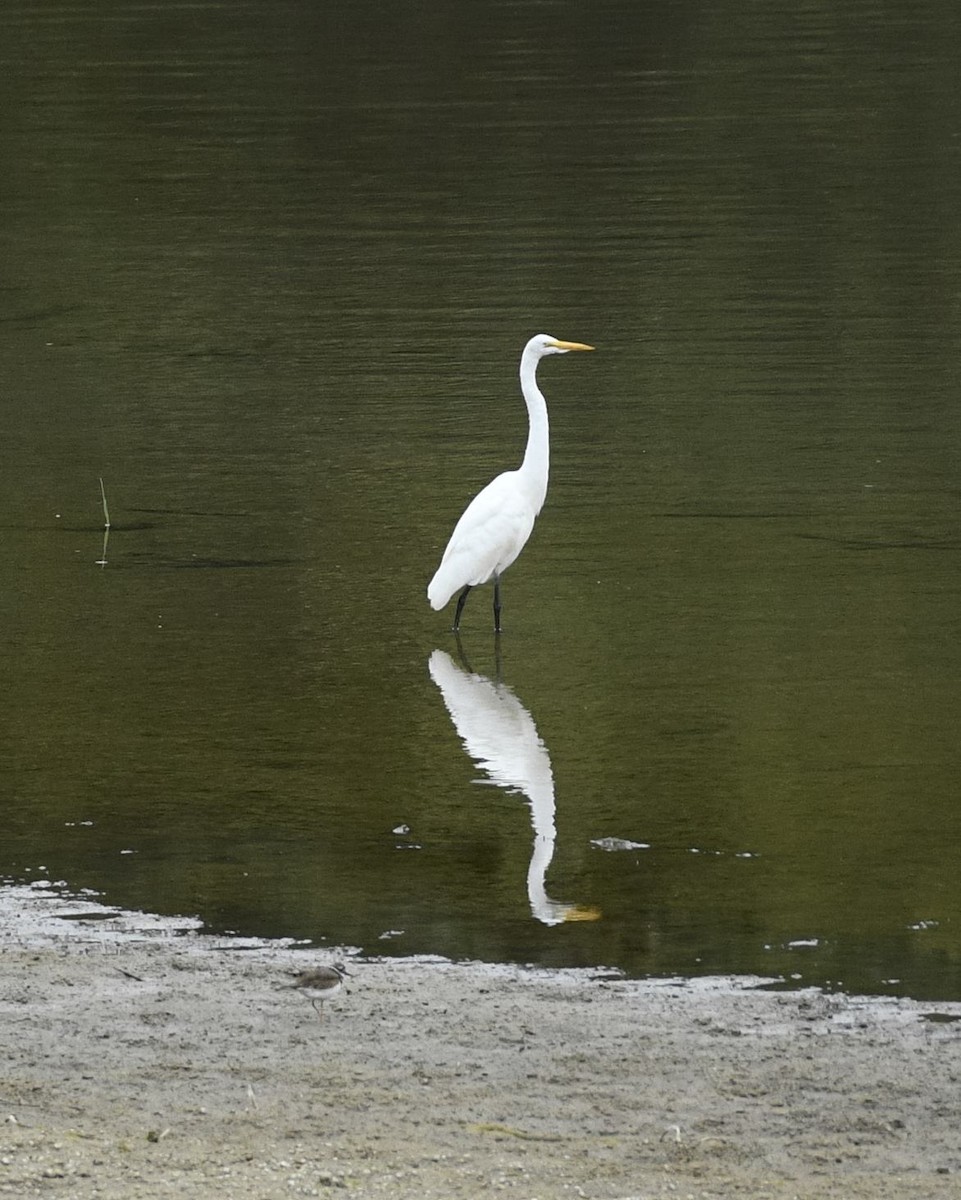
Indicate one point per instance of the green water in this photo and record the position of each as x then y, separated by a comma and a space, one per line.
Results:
268, 271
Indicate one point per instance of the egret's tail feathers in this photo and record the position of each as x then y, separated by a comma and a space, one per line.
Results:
439, 592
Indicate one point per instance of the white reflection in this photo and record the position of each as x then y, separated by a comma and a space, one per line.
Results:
499, 734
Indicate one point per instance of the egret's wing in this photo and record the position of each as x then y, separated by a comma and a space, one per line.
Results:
486, 540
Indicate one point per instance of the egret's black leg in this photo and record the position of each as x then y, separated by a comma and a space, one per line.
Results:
464, 662
497, 604
461, 601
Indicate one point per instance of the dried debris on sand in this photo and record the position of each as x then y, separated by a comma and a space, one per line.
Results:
143, 1061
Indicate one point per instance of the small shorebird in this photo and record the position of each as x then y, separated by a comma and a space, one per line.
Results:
320, 983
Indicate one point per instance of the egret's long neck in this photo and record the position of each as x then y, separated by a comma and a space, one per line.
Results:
536, 464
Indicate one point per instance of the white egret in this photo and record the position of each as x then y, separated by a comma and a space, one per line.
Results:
495, 526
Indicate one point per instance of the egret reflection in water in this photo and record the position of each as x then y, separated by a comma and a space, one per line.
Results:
499, 734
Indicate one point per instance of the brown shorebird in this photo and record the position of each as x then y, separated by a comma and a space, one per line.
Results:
320, 983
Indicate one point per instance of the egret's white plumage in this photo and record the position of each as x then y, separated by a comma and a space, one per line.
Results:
497, 523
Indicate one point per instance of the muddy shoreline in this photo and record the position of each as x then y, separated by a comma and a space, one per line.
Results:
142, 1059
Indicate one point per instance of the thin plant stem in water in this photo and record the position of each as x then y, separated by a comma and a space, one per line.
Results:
102, 560
103, 497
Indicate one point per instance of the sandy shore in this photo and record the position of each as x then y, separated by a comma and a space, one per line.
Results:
144, 1061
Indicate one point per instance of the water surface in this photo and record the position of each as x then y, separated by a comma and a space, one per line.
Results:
268, 274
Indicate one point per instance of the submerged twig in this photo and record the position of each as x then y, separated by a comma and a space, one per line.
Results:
103, 497
102, 560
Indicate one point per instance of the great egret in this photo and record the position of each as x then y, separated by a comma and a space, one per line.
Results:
495, 526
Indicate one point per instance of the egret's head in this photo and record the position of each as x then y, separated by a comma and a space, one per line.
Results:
543, 343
